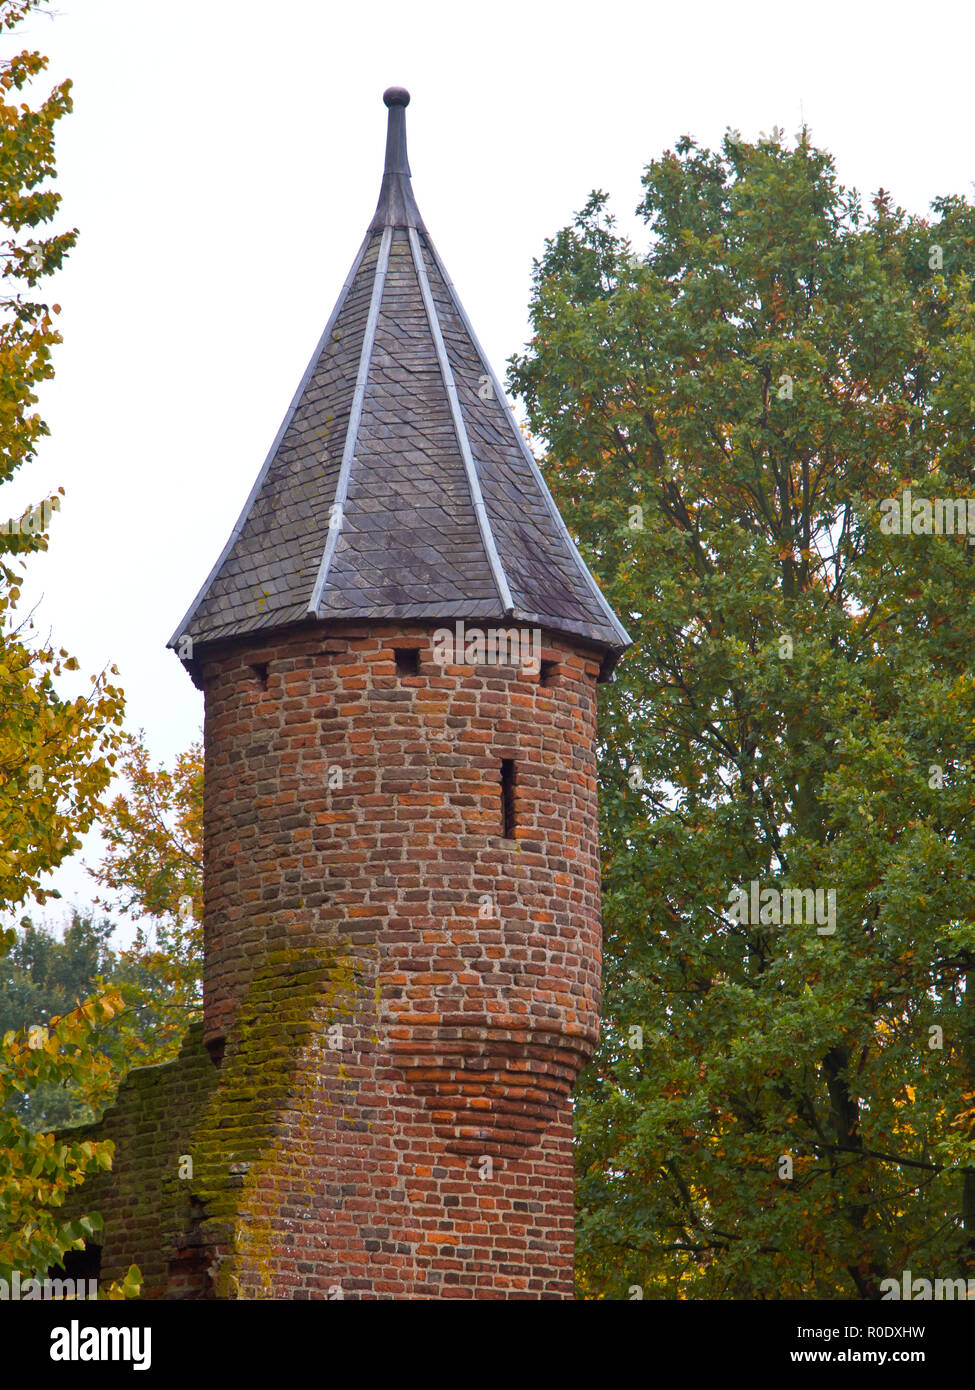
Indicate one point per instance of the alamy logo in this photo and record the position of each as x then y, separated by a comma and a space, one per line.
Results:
924, 1290
21, 1290
908, 515
76, 1343
768, 907
32, 522
495, 646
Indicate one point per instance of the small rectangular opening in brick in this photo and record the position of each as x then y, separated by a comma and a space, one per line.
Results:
260, 673
79, 1264
508, 797
548, 672
407, 661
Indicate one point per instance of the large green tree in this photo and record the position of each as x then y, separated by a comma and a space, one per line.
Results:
776, 1110
56, 753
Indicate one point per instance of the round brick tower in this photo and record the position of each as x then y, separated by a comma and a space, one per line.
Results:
399, 649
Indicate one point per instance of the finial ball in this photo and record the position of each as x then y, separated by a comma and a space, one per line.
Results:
396, 96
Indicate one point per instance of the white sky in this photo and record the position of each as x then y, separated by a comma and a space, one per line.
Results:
222, 164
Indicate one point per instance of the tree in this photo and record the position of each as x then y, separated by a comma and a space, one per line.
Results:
732, 419
38, 1170
153, 864
56, 754
44, 977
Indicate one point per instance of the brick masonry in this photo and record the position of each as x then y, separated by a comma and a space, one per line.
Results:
352, 807
399, 995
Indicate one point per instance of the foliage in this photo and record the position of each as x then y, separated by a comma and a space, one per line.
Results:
37, 1171
723, 415
155, 835
154, 865
56, 754
44, 976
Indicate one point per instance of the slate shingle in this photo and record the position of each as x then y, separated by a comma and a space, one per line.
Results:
434, 437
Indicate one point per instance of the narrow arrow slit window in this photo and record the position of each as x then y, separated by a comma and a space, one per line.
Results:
508, 798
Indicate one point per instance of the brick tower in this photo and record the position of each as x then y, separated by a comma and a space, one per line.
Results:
399, 648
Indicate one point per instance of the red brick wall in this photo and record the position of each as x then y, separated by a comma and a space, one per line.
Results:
427, 1148
143, 1201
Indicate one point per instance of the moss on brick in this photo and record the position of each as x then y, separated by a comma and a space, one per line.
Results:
238, 1158
226, 1121
150, 1123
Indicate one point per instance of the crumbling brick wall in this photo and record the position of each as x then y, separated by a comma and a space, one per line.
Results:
144, 1205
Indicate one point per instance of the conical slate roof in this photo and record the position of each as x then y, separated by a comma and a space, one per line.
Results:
399, 485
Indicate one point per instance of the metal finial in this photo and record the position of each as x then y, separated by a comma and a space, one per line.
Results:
397, 207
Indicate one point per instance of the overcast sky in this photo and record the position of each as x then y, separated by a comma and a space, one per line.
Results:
223, 161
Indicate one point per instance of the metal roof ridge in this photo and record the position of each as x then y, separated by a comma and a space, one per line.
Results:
272, 453
355, 417
460, 431
529, 456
